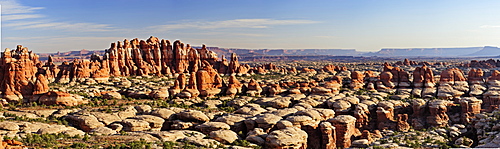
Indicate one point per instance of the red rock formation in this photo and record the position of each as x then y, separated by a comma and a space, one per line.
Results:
308, 70
406, 62
402, 123
158, 57
179, 85
334, 85
50, 69
449, 76
423, 77
385, 116
192, 87
260, 70
470, 107
345, 129
23, 75
357, 80
491, 97
61, 98
393, 77
367, 135
11, 144
233, 64
362, 113
343, 68
270, 66
292, 70
418, 106
482, 64
234, 86
275, 89
475, 76
386, 83
495, 76
438, 116
423, 82
208, 80
41, 84
328, 137
254, 88
331, 68
18, 72
452, 84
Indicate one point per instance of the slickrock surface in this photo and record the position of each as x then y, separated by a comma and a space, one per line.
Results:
172, 95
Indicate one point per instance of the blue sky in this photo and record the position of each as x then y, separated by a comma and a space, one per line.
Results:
368, 25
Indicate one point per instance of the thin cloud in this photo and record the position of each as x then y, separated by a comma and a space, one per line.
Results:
24, 38
68, 26
13, 7
237, 23
21, 17
18, 24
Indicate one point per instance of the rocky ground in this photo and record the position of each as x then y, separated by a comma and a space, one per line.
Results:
138, 111
154, 94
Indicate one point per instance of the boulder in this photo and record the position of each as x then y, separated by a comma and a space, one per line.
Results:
193, 116
61, 98
224, 136
208, 127
84, 121
292, 138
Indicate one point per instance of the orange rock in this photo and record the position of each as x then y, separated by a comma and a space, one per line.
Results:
470, 107
61, 98
423, 77
18, 69
41, 84
270, 66
345, 129
495, 75
192, 86
449, 76
23, 75
307, 70
233, 64
234, 86
275, 89
330, 68
438, 116
357, 80
476, 76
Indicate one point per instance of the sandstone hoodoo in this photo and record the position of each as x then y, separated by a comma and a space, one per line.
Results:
24, 75
19, 74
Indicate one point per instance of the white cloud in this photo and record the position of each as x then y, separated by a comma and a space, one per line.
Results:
68, 26
13, 7
22, 23
23, 38
21, 17
236, 23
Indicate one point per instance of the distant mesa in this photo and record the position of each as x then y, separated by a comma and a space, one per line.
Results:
312, 54
486, 51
